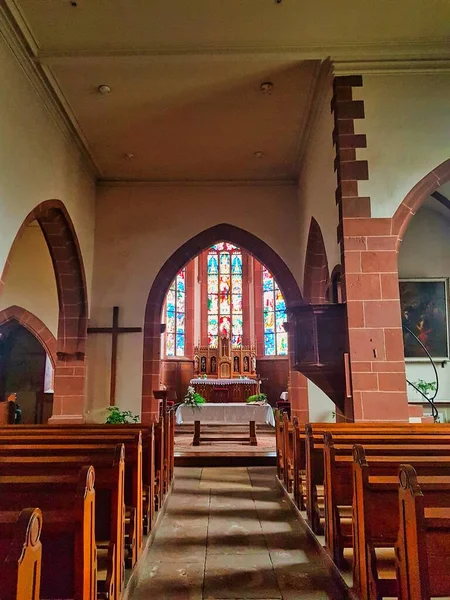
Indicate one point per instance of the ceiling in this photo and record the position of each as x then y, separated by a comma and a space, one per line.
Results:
185, 75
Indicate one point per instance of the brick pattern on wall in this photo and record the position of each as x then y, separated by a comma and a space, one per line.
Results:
369, 258
62, 242
316, 276
192, 248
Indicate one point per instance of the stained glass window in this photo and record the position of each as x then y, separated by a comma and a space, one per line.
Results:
224, 270
275, 337
176, 316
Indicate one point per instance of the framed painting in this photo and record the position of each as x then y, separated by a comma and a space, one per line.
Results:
424, 312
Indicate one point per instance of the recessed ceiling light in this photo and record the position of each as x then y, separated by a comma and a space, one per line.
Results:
104, 89
266, 87
129, 156
259, 154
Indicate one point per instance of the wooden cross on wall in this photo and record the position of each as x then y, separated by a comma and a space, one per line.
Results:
114, 331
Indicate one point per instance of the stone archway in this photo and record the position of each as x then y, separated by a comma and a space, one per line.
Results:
316, 277
152, 325
416, 197
64, 249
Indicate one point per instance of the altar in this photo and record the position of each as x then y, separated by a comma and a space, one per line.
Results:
224, 373
225, 414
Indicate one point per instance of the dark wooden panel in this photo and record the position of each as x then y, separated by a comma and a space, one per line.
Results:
274, 373
176, 375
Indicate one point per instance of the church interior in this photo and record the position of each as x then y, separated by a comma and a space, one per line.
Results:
224, 300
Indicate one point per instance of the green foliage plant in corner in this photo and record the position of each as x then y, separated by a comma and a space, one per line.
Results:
257, 398
120, 417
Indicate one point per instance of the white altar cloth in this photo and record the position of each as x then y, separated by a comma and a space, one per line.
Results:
231, 413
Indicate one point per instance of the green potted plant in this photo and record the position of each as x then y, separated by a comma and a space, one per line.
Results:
119, 417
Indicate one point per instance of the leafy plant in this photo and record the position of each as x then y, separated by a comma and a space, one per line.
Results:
425, 386
119, 417
257, 398
193, 398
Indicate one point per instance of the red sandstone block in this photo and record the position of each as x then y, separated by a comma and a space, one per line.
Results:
394, 366
362, 286
362, 367
393, 339
69, 386
348, 189
364, 381
352, 262
389, 286
355, 207
382, 242
366, 345
392, 382
385, 406
354, 170
379, 262
80, 371
355, 314
355, 243
72, 405
384, 313
357, 406
366, 227
348, 81
415, 410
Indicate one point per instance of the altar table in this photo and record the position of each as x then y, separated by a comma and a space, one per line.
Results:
225, 414
231, 390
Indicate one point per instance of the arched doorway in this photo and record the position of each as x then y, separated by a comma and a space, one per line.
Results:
193, 247
27, 361
53, 220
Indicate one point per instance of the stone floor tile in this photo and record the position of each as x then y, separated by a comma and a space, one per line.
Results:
245, 577
177, 581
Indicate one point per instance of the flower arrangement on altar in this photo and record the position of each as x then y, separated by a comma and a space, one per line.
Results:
193, 398
257, 398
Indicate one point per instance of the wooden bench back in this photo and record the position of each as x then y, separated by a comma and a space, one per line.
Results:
68, 537
423, 558
20, 554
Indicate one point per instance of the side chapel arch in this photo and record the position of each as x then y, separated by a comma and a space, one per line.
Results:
65, 253
189, 250
316, 276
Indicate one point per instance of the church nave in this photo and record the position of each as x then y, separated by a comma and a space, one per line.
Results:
229, 533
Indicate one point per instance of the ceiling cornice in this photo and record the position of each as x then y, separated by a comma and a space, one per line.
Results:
197, 183
389, 52
392, 66
38, 78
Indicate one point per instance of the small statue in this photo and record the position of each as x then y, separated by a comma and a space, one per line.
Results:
236, 364
213, 364
203, 364
246, 364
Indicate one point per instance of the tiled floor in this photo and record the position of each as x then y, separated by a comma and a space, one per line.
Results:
229, 533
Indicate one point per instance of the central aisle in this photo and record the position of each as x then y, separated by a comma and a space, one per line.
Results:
229, 533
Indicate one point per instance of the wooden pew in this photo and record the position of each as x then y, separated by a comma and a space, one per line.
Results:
376, 515
97, 442
148, 453
288, 452
159, 463
21, 554
7, 412
338, 484
352, 434
68, 538
279, 440
109, 505
423, 546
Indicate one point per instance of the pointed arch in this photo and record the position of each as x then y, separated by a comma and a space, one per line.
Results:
316, 276
65, 253
189, 250
40, 331
416, 197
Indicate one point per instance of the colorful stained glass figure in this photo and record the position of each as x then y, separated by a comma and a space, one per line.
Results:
175, 316
224, 271
275, 337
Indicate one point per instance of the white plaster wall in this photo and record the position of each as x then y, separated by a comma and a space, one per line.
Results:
30, 281
317, 184
137, 229
407, 125
37, 163
321, 408
425, 253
